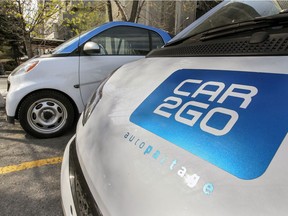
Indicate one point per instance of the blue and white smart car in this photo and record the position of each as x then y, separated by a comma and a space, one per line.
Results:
199, 127
46, 94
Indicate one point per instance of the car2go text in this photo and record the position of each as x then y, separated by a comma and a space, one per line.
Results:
243, 92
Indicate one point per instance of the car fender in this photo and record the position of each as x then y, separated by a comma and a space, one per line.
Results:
40, 78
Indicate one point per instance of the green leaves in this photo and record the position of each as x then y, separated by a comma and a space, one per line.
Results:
82, 15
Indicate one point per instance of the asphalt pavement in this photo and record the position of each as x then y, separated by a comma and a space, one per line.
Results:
29, 169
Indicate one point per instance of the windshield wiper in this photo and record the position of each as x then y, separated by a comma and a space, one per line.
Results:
257, 23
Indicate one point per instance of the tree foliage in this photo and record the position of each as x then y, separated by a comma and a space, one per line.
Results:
10, 41
82, 15
25, 16
25, 19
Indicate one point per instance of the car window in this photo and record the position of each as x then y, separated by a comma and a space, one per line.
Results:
157, 41
126, 40
237, 11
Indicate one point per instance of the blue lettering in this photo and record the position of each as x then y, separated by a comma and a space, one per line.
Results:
148, 150
156, 154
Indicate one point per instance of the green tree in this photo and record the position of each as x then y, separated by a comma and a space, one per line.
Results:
81, 15
30, 15
10, 42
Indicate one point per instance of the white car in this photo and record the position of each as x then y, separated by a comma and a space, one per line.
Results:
199, 127
46, 94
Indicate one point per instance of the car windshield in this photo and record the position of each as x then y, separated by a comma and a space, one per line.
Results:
232, 12
67, 43
73, 42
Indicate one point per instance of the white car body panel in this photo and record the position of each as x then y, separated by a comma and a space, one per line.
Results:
95, 69
198, 127
64, 72
132, 182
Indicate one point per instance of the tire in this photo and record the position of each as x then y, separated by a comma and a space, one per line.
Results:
46, 114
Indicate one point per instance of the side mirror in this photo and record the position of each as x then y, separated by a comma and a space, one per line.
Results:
91, 48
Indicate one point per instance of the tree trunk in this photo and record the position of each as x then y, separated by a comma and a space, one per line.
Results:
139, 11
28, 45
109, 9
134, 10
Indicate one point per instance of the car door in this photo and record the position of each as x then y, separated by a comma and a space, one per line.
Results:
118, 45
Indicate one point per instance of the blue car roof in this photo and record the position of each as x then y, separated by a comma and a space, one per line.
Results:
78, 41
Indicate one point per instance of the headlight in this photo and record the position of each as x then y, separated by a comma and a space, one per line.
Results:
25, 67
94, 99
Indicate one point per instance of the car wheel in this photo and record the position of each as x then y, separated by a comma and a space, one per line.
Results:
46, 114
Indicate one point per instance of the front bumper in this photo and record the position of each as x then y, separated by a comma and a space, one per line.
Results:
15, 93
11, 119
66, 193
75, 194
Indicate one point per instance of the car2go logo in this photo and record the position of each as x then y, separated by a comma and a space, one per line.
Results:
235, 120
172, 102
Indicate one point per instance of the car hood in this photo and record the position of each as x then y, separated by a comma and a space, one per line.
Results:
182, 136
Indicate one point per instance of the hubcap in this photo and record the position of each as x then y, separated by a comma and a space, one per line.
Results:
47, 115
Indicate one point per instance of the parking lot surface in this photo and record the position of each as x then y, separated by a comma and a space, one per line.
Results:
29, 171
